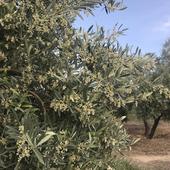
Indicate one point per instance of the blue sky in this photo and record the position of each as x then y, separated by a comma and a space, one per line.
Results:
148, 23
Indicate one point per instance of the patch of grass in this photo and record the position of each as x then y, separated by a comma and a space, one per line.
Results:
124, 165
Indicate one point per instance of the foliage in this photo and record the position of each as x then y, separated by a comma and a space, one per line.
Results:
60, 89
154, 101
163, 64
124, 165
153, 98
165, 56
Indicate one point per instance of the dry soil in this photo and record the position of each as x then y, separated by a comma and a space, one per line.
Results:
150, 154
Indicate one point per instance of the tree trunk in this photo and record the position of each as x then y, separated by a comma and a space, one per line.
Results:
147, 128
154, 127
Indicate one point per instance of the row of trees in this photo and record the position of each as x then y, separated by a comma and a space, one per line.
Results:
62, 90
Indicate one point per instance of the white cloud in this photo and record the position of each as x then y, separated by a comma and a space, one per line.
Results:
163, 26
166, 25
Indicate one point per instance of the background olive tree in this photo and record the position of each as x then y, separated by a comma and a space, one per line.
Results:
153, 93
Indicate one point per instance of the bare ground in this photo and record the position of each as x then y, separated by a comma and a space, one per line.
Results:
150, 154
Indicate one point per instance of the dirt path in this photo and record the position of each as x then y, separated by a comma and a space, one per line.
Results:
151, 162
150, 158
150, 154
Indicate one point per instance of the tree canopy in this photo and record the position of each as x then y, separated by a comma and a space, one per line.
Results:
60, 89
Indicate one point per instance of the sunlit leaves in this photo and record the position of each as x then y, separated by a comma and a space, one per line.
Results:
60, 89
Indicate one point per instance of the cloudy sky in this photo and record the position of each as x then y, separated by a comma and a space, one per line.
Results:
148, 23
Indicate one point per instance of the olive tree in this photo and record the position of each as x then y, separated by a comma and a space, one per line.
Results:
153, 98
60, 89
